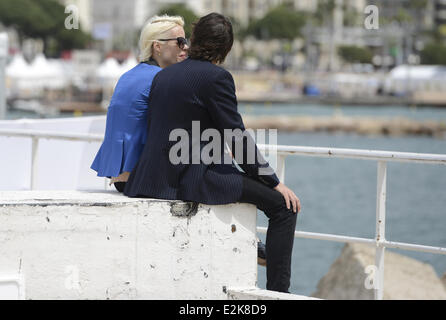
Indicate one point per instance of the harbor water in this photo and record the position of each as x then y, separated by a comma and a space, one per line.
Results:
338, 196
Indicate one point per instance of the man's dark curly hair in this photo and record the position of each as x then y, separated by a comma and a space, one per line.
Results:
212, 38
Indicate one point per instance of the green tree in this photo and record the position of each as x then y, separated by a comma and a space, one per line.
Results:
27, 17
181, 10
355, 54
352, 17
42, 19
72, 39
403, 16
433, 53
324, 11
418, 4
282, 22
442, 31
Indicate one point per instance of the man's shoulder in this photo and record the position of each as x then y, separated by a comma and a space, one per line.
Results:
196, 66
199, 72
210, 67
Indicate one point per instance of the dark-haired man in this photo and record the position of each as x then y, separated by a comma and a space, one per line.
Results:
197, 90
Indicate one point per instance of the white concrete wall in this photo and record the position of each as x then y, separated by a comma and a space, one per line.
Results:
83, 245
260, 294
61, 164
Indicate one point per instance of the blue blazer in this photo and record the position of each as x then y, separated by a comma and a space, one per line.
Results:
126, 126
192, 90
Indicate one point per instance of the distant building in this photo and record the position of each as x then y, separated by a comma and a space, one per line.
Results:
246, 10
122, 15
242, 10
435, 13
197, 6
440, 12
118, 22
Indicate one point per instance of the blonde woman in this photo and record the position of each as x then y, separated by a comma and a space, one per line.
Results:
162, 43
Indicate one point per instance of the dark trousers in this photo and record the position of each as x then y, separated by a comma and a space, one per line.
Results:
120, 186
280, 234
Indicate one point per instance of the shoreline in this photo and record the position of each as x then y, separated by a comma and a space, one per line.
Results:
362, 125
395, 126
375, 101
268, 99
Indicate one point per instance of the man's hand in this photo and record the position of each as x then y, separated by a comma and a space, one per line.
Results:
289, 196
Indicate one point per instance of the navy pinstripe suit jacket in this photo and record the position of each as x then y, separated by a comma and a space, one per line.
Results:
192, 90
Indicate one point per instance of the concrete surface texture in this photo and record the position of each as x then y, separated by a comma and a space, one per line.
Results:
102, 245
238, 293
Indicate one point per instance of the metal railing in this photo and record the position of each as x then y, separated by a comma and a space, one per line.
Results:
36, 135
382, 157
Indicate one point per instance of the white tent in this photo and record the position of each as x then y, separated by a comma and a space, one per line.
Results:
58, 75
108, 74
50, 73
109, 70
349, 84
40, 68
20, 76
416, 78
40, 74
128, 64
423, 72
18, 68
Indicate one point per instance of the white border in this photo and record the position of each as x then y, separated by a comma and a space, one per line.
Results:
19, 280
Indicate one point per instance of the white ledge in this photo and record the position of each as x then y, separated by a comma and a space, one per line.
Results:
103, 245
254, 293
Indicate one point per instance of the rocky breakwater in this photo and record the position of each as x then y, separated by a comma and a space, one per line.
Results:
396, 126
404, 278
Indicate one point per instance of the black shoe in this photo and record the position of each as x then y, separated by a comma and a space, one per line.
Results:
261, 254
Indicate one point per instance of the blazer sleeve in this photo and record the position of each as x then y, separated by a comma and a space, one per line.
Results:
222, 106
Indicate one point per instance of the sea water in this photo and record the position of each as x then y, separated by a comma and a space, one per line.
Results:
338, 196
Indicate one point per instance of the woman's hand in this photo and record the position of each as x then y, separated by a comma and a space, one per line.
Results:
290, 197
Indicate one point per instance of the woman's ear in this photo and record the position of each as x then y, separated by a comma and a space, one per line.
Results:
156, 48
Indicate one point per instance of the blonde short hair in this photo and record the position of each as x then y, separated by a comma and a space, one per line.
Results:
156, 28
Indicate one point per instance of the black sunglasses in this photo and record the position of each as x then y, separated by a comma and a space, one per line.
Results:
182, 42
